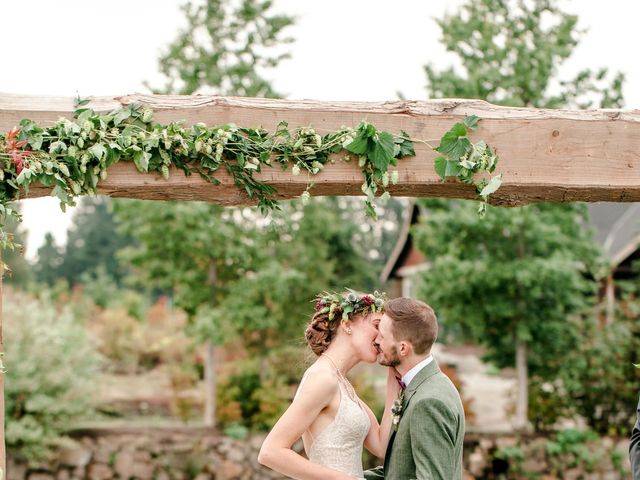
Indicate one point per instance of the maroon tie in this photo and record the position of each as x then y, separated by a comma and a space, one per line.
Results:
401, 383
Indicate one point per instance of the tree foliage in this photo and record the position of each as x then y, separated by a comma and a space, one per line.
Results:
598, 376
50, 366
519, 274
302, 251
267, 269
515, 277
226, 47
178, 245
510, 52
90, 250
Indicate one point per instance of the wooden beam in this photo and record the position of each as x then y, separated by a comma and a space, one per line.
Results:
545, 155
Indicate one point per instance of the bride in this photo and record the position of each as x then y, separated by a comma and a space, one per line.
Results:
326, 412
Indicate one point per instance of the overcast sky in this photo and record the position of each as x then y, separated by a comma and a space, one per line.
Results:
344, 50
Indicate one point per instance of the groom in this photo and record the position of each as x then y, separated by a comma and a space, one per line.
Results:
426, 442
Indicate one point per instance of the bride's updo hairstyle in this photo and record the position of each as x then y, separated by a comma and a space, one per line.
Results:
334, 308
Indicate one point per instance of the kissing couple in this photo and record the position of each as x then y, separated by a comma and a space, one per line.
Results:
421, 432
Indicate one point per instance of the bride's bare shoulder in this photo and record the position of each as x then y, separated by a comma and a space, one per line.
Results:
320, 378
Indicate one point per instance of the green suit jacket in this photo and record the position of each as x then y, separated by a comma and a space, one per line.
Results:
634, 449
428, 442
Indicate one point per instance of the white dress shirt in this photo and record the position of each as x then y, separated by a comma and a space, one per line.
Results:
407, 377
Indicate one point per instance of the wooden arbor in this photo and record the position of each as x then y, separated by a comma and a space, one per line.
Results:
545, 155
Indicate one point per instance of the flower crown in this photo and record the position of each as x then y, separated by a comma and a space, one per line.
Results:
348, 303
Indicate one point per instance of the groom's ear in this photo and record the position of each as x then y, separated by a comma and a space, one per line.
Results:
405, 348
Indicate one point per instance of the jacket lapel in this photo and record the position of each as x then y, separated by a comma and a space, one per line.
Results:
422, 376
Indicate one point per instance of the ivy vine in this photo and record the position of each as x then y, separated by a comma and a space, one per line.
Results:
465, 160
72, 156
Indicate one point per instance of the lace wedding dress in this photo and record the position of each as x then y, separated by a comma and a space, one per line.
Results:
339, 445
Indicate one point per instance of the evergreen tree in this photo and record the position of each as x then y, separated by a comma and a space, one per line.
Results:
92, 242
48, 261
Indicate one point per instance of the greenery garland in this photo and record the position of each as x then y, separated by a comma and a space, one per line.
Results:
72, 156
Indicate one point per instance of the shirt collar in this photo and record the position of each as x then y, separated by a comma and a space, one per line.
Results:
407, 377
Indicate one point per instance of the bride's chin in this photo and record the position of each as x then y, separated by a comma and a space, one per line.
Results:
370, 357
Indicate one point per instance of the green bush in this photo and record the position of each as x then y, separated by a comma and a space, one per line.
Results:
574, 449
50, 370
599, 376
258, 390
548, 404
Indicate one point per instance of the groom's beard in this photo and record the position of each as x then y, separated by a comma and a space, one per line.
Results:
391, 360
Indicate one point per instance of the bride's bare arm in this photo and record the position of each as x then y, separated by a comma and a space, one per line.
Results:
276, 453
378, 437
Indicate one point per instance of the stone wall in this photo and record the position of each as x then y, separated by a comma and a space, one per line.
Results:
159, 454
202, 454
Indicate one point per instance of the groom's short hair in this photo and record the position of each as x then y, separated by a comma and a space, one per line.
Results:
414, 322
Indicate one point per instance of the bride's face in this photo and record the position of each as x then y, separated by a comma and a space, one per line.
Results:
364, 332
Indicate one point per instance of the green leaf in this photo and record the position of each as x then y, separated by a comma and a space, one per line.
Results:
492, 186
84, 114
98, 151
120, 116
36, 141
471, 122
370, 210
382, 152
441, 166
60, 193
385, 140
406, 146
478, 149
79, 102
452, 169
265, 156
455, 148
379, 157
141, 159
458, 129
358, 145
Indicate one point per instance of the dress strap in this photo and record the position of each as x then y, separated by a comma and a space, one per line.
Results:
344, 382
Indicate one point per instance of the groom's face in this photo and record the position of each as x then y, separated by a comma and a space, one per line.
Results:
386, 343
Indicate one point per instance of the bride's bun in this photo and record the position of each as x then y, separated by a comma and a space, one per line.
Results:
321, 331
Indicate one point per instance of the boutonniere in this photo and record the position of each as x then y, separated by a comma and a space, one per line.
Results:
396, 410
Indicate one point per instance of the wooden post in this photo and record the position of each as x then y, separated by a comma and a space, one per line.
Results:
209, 361
610, 299
522, 377
3, 455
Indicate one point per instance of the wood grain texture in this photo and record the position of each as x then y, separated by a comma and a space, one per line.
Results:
545, 155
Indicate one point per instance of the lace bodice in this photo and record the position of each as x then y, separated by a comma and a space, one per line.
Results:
339, 445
